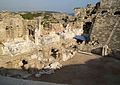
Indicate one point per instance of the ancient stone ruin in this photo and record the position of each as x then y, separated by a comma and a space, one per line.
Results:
38, 45
106, 26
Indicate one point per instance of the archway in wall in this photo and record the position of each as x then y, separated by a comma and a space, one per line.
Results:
117, 13
31, 32
9, 32
87, 27
104, 12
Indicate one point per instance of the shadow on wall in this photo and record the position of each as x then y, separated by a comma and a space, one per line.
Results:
111, 53
102, 71
97, 51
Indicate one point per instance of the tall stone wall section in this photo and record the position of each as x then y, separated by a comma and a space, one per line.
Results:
106, 28
103, 27
11, 27
110, 3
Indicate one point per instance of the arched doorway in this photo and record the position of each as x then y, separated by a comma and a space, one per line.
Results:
31, 32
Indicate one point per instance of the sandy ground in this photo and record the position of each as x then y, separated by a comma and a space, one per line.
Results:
86, 70
82, 69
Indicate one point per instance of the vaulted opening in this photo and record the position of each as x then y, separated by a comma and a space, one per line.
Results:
117, 13
104, 12
7, 28
31, 32
87, 27
24, 62
54, 52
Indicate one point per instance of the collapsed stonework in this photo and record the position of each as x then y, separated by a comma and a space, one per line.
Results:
36, 46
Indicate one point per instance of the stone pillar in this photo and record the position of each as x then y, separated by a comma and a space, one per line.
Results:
37, 36
81, 25
40, 27
27, 35
1, 49
38, 31
68, 27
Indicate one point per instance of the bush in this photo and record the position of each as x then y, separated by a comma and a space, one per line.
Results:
30, 16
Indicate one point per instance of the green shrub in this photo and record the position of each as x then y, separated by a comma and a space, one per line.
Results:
30, 16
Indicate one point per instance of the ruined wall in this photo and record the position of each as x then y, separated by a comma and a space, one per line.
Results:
106, 29
11, 27
80, 12
57, 27
59, 15
2, 31
103, 27
110, 3
84, 13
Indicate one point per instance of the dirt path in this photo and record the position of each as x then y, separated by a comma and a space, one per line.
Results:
87, 70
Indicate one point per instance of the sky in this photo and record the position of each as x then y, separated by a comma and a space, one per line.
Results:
43, 5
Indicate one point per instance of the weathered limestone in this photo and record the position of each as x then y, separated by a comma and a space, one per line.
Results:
39, 46
70, 33
10, 24
57, 27
69, 53
2, 31
59, 16
37, 34
110, 3
80, 12
84, 13
55, 65
106, 27
105, 50
15, 48
49, 39
36, 48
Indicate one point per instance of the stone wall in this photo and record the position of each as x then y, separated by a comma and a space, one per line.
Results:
106, 28
80, 12
59, 15
110, 3
11, 27
2, 31
103, 27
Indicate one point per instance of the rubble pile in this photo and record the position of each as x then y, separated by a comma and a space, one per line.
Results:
69, 53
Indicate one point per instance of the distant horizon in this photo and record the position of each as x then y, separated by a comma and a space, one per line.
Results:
63, 6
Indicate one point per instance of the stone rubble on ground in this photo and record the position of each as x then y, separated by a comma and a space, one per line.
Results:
68, 54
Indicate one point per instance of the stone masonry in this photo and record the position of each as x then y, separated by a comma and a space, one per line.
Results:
106, 29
